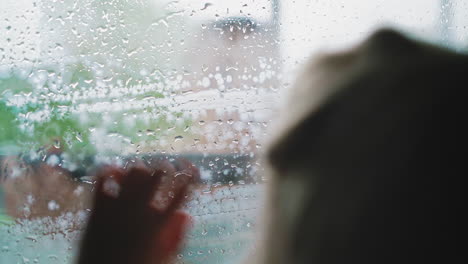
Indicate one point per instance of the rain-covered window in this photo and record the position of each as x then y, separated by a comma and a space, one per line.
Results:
91, 82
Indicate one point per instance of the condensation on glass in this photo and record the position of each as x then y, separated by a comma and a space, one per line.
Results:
90, 82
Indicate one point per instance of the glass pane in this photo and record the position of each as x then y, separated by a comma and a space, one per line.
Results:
91, 82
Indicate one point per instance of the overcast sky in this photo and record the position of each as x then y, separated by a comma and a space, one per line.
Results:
307, 26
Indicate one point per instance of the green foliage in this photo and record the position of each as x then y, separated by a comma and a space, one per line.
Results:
18, 134
9, 130
62, 130
15, 85
55, 123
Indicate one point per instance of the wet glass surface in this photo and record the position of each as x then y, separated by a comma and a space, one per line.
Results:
86, 83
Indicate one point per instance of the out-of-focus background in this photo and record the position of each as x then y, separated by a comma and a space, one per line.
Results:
87, 82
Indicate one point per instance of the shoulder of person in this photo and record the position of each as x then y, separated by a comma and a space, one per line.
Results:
386, 65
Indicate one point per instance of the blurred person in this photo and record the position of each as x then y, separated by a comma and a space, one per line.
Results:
364, 164
363, 168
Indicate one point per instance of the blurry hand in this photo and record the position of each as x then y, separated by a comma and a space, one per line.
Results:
135, 217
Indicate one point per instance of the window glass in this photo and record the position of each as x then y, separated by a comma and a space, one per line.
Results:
91, 82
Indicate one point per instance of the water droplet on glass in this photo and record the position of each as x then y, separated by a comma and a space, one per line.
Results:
53, 205
206, 6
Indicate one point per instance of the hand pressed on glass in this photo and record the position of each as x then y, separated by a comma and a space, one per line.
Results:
130, 225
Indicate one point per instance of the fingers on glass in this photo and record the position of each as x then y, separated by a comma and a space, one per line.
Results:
185, 166
138, 184
107, 185
179, 198
162, 189
163, 164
